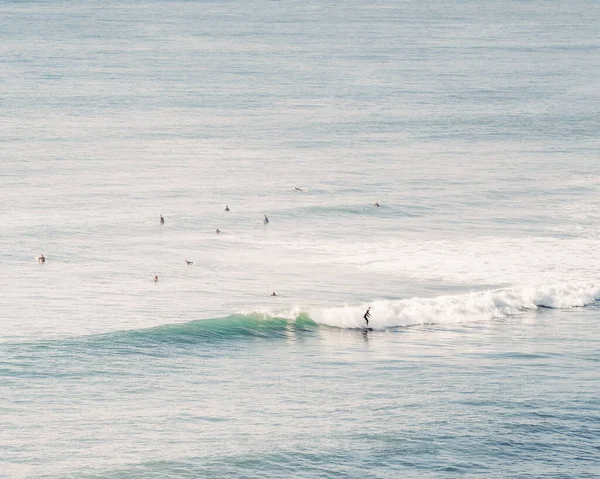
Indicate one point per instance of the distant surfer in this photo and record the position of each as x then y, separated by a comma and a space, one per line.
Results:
376, 204
41, 258
367, 315
226, 208
298, 189
188, 262
162, 220
218, 231
273, 294
266, 220
155, 278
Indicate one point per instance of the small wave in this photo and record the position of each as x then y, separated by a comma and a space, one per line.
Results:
476, 306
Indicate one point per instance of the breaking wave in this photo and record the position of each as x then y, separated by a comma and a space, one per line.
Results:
476, 306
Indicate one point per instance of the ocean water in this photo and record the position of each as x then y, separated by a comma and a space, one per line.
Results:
474, 124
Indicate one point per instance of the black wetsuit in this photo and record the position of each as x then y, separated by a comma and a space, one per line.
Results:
367, 316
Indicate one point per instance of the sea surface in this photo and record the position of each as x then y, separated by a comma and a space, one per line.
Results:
475, 125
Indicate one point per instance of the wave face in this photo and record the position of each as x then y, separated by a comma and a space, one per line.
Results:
476, 306
253, 325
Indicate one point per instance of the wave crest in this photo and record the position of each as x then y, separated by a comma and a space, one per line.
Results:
477, 306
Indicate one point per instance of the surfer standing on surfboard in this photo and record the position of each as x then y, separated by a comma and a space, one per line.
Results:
367, 315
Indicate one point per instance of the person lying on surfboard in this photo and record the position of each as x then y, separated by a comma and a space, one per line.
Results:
367, 315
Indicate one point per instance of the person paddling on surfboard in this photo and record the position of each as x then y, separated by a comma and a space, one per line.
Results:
367, 315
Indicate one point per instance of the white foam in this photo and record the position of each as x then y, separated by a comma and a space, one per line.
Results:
476, 306
479, 260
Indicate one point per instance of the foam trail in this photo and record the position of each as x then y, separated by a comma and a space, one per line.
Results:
477, 306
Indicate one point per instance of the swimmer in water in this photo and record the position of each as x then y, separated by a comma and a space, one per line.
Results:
376, 204
226, 208
189, 262
218, 231
41, 258
273, 294
298, 189
266, 220
367, 315
155, 278
162, 220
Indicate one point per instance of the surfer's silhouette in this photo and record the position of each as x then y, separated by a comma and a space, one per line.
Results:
266, 220
162, 220
367, 315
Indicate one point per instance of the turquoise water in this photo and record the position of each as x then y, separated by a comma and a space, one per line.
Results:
248, 398
473, 124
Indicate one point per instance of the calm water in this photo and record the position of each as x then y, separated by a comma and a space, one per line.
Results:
474, 125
